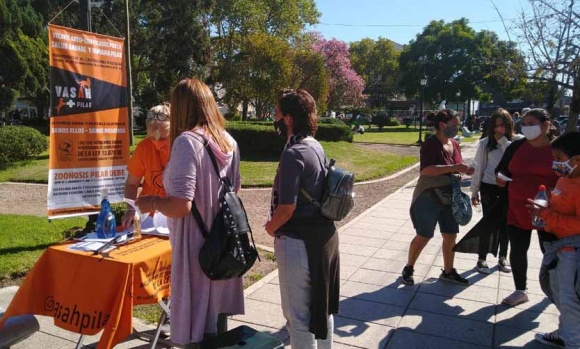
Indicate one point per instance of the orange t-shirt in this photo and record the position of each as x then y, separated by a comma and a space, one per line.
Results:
148, 162
563, 214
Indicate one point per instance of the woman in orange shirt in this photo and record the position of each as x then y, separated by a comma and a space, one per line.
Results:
149, 160
562, 218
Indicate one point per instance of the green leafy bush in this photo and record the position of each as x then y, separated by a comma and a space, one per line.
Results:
332, 121
258, 140
233, 116
19, 143
382, 120
334, 133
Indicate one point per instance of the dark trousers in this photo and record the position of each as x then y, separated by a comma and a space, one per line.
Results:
490, 194
520, 243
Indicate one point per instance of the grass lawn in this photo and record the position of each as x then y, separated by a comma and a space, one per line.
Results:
397, 135
367, 164
24, 238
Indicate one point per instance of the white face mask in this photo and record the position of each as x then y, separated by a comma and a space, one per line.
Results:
531, 132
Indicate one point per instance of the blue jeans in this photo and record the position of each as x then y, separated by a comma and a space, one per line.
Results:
565, 284
294, 276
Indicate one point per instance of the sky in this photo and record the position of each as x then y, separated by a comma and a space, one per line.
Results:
401, 20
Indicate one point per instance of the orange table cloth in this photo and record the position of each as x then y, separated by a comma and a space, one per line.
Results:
87, 293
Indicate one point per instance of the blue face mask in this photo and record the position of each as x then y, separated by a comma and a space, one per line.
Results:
562, 168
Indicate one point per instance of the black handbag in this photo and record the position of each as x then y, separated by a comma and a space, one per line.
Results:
227, 251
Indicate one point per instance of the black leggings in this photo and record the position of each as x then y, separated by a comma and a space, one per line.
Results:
520, 243
490, 194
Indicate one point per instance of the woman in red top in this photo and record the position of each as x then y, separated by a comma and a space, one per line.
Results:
529, 167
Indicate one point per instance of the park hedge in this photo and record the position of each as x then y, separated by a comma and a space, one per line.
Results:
20, 143
258, 139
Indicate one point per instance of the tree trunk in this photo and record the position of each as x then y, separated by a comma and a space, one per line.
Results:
574, 105
245, 105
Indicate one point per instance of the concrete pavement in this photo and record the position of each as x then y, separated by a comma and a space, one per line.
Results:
376, 310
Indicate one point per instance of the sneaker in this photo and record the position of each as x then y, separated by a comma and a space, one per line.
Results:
552, 338
482, 267
453, 277
407, 275
503, 265
516, 298
166, 328
165, 331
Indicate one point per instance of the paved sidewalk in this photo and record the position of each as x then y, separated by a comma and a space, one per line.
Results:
376, 310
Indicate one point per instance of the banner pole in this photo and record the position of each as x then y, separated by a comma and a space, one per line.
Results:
85, 6
129, 81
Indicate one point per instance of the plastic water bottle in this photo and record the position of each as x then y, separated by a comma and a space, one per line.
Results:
541, 199
106, 223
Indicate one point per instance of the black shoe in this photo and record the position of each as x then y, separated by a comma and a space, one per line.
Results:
552, 339
482, 267
407, 275
503, 265
453, 277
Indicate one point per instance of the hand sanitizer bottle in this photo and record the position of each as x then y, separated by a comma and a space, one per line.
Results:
106, 223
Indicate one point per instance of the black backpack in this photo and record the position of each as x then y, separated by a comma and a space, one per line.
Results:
338, 198
227, 252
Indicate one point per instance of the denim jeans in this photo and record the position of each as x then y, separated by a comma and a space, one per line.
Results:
564, 285
294, 276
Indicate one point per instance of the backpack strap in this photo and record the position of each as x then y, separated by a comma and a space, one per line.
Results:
303, 191
226, 181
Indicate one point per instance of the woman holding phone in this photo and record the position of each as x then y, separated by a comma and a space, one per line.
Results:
490, 150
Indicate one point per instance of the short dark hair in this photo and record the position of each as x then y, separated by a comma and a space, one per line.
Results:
568, 143
300, 105
441, 116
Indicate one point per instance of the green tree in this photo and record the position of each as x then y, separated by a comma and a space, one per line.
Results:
269, 66
309, 73
235, 23
23, 52
378, 64
455, 58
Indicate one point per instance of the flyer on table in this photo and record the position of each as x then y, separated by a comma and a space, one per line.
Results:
89, 126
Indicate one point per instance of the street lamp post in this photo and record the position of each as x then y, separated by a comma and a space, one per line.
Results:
458, 95
423, 84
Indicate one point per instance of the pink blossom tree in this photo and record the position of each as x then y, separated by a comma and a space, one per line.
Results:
346, 86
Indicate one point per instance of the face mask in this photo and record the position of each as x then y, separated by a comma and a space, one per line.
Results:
451, 131
281, 128
562, 168
531, 132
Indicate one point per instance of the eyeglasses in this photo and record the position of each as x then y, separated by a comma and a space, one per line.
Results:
158, 116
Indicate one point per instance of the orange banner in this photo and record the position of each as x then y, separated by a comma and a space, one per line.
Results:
89, 126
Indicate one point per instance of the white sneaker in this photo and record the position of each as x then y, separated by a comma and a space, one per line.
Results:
516, 298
